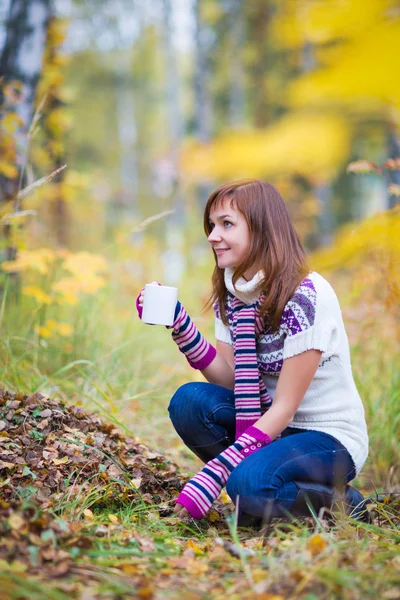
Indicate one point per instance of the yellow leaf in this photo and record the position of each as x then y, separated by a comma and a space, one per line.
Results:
394, 189
16, 522
309, 143
136, 482
38, 260
88, 514
43, 332
10, 171
65, 329
39, 295
61, 461
362, 166
224, 497
113, 518
85, 263
11, 122
195, 547
7, 465
213, 516
316, 544
15, 566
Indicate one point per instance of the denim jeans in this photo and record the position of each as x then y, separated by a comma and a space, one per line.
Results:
264, 483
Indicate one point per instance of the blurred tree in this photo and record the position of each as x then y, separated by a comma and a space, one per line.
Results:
356, 46
21, 61
175, 120
259, 14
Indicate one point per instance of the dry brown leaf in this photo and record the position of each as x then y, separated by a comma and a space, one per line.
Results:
88, 514
16, 522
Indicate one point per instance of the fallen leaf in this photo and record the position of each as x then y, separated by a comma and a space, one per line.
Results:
16, 522
61, 461
113, 518
316, 544
88, 514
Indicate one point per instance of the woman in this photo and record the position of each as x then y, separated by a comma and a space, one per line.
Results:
280, 422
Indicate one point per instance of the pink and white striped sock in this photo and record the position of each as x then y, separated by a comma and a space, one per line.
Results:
200, 492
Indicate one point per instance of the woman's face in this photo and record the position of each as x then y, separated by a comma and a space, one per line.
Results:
230, 235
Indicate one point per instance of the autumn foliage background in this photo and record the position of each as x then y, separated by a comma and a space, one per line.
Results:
138, 114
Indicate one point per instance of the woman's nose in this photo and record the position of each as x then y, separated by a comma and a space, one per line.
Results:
214, 235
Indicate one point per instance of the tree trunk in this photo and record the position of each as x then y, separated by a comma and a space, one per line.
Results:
127, 134
174, 110
237, 84
202, 96
259, 19
21, 60
393, 176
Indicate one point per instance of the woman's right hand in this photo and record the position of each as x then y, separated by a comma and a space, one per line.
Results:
139, 300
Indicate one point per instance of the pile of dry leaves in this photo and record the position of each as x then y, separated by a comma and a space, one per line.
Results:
49, 449
52, 456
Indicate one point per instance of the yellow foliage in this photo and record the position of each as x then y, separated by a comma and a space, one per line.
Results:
64, 329
318, 21
83, 264
43, 331
11, 122
365, 70
35, 292
39, 260
58, 121
378, 234
52, 327
8, 170
307, 143
83, 282
68, 288
316, 544
370, 251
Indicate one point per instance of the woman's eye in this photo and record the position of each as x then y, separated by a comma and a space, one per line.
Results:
227, 223
211, 225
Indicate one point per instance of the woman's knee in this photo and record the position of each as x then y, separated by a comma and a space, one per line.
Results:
243, 482
185, 405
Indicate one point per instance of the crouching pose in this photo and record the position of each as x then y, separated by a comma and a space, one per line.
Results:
280, 422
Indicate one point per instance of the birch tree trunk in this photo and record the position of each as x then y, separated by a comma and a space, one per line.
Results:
127, 134
21, 60
237, 80
173, 104
393, 176
259, 20
202, 96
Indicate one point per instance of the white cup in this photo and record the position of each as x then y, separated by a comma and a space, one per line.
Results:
159, 303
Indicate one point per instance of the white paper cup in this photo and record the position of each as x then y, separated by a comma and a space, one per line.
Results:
159, 303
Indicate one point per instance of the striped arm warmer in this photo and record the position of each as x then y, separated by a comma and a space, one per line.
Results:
199, 353
200, 492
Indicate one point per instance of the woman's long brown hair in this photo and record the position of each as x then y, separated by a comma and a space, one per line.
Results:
274, 247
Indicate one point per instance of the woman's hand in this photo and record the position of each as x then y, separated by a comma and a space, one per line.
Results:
180, 511
139, 300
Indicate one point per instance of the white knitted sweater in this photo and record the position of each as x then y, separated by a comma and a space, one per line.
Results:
312, 319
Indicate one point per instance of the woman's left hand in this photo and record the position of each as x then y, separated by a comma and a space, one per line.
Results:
180, 511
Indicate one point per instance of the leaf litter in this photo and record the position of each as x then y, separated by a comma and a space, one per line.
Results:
68, 480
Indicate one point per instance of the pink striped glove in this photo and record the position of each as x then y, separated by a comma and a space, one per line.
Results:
200, 492
198, 352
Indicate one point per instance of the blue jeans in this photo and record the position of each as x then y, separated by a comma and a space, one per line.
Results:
264, 484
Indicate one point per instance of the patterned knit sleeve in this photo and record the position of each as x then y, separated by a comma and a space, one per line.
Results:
222, 332
307, 322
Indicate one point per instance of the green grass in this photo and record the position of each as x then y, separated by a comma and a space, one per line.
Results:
127, 372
